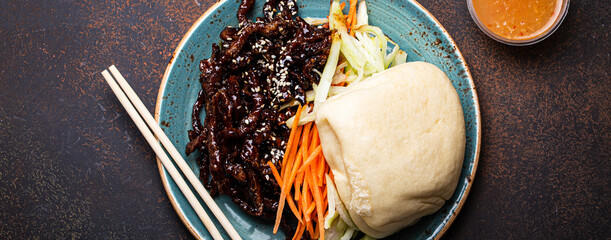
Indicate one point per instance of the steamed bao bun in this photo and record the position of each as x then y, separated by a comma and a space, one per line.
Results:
395, 144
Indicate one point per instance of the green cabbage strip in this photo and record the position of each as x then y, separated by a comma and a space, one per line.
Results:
327, 74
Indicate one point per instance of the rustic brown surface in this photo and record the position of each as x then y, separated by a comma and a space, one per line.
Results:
73, 165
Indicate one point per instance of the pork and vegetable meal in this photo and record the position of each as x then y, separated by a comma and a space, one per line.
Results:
322, 126
257, 69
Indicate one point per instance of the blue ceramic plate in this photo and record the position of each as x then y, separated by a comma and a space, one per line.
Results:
406, 22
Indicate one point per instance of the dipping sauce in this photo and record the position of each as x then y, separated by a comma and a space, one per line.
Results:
518, 19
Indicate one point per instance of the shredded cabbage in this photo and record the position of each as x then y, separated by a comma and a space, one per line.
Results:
339, 206
332, 214
348, 234
361, 14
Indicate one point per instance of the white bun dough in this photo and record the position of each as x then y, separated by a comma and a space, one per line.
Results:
395, 143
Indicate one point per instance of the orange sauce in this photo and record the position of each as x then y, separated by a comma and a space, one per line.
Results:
518, 19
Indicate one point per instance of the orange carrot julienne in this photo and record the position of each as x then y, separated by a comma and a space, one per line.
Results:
310, 208
291, 136
305, 198
321, 170
288, 184
293, 208
339, 84
316, 234
310, 228
298, 183
297, 188
277, 176
286, 161
315, 139
286, 172
291, 177
313, 157
301, 179
275, 172
296, 231
299, 231
305, 141
292, 150
318, 199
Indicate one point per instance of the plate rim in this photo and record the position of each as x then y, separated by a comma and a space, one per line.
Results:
477, 118
216, 5
162, 86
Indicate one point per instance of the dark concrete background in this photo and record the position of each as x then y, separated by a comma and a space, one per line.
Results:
73, 165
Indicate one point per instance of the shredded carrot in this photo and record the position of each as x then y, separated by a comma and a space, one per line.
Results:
298, 182
287, 186
299, 231
310, 228
301, 179
339, 83
297, 188
275, 172
310, 208
318, 199
289, 144
293, 208
321, 170
286, 161
305, 199
316, 233
311, 158
305, 139
315, 139
292, 149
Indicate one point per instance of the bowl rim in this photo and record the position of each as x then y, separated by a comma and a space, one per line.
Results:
213, 8
524, 42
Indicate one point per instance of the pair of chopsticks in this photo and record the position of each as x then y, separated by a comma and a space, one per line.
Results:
121, 93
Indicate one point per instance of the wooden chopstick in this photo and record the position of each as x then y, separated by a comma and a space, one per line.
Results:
173, 152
